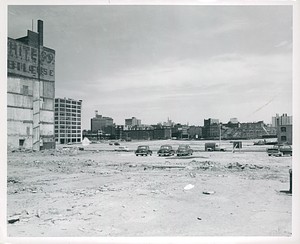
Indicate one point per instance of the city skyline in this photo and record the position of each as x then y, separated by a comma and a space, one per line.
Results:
169, 121
188, 63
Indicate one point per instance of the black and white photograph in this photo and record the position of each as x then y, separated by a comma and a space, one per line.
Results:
149, 121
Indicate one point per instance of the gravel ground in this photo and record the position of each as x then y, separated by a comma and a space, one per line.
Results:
98, 192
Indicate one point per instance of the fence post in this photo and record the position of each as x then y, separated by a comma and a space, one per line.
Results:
291, 180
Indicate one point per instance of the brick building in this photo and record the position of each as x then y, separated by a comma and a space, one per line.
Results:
211, 128
285, 134
30, 92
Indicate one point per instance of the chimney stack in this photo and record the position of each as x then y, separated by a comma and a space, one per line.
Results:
40, 31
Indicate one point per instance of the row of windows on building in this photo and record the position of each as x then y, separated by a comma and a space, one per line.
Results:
67, 101
66, 116
67, 122
71, 128
70, 135
64, 105
68, 110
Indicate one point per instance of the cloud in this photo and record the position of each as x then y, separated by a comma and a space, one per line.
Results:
236, 74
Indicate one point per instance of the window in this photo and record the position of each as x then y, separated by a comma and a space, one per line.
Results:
283, 138
25, 90
21, 142
283, 129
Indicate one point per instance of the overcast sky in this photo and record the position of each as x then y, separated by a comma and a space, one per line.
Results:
188, 63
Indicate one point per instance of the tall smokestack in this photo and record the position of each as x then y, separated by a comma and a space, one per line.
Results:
41, 32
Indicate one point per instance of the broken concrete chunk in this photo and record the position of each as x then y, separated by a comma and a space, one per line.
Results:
13, 219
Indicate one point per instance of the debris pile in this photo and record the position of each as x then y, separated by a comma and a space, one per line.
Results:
239, 166
204, 165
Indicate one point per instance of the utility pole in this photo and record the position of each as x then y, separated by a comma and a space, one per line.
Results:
220, 135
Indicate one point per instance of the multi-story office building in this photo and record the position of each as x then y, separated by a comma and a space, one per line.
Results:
99, 122
132, 122
282, 120
30, 92
67, 120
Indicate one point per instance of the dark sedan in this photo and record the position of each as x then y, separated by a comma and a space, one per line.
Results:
143, 151
166, 150
184, 150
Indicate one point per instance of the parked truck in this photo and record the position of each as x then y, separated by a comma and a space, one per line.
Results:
212, 146
280, 150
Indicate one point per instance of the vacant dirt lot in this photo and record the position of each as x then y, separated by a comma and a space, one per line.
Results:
99, 192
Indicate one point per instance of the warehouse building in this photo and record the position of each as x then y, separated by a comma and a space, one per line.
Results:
284, 126
67, 120
285, 134
211, 128
30, 92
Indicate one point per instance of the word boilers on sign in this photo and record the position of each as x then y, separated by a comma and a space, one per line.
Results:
27, 61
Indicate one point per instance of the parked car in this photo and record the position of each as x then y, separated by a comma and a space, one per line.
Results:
166, 150
122, 149
259, 142
143, 151
117, 143
184, 150
280, 150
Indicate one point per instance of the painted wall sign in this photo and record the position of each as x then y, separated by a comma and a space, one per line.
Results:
23, 60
